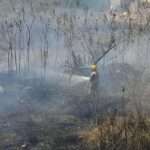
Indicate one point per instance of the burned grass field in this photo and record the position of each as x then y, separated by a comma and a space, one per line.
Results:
74, 76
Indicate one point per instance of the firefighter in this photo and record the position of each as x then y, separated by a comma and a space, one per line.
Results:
94, 90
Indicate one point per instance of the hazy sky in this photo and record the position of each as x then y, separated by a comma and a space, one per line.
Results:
98, 4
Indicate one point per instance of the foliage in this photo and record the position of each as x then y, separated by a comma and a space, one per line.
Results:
131, 132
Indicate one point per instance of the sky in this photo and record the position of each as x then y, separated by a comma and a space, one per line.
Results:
97, 4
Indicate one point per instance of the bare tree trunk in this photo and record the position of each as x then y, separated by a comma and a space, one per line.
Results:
16, 61
10, 56
20, 52
8, 60
28, 46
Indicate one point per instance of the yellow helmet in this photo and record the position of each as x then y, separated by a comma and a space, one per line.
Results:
93, 67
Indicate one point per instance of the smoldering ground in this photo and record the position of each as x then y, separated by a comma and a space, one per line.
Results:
39, 98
